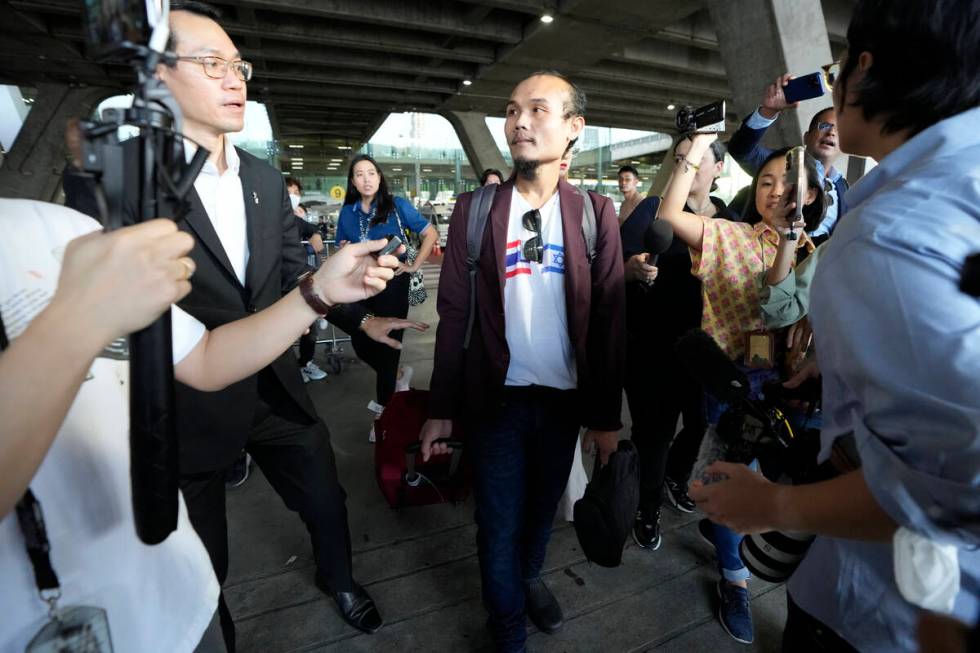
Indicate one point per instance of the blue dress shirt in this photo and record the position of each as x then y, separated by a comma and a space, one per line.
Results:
899, 348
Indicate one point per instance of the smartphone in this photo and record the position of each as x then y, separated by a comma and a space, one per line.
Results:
805, 88
796, 184
393, 244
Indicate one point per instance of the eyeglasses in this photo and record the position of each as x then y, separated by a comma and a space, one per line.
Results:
825, 126
533, 247
217, 68
831, 72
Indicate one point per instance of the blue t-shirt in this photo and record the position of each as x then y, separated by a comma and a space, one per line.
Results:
352, 218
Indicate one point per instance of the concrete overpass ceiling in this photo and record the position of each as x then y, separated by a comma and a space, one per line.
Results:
330, 71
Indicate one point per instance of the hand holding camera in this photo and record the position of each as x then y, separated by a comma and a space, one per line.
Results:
118, 282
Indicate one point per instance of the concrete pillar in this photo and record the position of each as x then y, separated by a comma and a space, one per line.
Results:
32, 169
477, 141
857, 167
762, 39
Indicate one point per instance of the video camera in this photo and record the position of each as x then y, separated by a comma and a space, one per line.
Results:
709, 119
150, 172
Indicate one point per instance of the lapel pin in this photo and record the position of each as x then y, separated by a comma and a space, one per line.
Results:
255, 197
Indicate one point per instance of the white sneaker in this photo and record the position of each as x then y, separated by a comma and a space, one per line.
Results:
404, 379
315, 373
306, 377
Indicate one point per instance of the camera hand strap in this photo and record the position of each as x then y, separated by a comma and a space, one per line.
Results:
31, 521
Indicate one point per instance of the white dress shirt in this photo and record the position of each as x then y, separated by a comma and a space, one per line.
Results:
221, 195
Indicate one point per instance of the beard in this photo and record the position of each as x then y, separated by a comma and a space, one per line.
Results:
525, 169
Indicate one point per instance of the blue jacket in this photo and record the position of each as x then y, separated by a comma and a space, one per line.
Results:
748, 151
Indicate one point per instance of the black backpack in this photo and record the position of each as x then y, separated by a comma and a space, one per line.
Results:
604, 515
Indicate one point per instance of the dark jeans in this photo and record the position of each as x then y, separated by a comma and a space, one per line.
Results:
298, 462
523, 454
658, 390
805, 633
391, 302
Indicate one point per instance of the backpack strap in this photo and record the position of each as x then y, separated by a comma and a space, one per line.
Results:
476, 222
589, 228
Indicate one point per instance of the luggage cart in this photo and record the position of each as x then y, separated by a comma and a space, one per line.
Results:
334, 351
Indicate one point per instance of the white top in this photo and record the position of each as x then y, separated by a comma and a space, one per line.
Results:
158, 598
221, 195
535, 315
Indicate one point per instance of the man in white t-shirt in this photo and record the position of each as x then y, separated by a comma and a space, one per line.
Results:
66, 436
545, 356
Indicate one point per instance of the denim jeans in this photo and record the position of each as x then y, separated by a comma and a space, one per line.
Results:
523, 452
727, 541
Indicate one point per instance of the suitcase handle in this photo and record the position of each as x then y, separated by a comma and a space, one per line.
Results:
416, 447
412, 450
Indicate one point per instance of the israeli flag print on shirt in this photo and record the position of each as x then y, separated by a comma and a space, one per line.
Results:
515, 263
535, 312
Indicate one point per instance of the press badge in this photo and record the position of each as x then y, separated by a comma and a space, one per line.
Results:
75, 629
759, 350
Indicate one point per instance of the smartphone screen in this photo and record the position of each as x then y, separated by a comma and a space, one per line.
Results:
796, 184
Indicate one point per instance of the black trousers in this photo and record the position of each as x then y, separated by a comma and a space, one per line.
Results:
307, 346
658, 391
805, 633
298, 462
391, 302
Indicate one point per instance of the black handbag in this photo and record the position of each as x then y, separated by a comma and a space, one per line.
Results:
604, 515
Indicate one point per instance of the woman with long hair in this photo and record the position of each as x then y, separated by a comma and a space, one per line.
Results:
371, 212
728, 258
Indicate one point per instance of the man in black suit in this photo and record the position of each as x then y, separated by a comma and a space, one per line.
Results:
248, 254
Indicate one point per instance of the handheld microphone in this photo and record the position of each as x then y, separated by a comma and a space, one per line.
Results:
657, 240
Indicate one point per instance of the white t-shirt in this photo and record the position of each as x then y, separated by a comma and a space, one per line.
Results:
158, 598
535, 314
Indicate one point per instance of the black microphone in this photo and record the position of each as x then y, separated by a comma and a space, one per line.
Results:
657, 240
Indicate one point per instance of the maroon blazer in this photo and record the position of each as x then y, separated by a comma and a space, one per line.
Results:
468, 382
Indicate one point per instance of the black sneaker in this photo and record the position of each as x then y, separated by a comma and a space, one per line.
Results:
677, 496
646, 531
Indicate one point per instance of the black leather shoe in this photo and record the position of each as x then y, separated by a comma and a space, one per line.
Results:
356, 607
542, 607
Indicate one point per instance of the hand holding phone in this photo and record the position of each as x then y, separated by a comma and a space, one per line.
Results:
796, 186
391, 247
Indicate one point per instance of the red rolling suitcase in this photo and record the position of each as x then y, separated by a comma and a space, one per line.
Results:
402, 476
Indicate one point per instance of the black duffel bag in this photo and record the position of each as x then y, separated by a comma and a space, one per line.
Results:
604, 515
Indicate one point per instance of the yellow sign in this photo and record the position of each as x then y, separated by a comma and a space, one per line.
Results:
337, 193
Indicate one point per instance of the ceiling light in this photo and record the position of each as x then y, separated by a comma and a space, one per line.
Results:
297, 147
396, 169
467, 82
636, 163
426, 169
671, 107
343, 147
336, 160
547, 19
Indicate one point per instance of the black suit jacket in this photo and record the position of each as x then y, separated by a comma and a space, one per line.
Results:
214, 426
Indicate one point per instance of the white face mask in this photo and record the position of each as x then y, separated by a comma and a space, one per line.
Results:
294, 200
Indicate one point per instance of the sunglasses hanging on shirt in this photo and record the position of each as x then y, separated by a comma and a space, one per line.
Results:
533, 249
